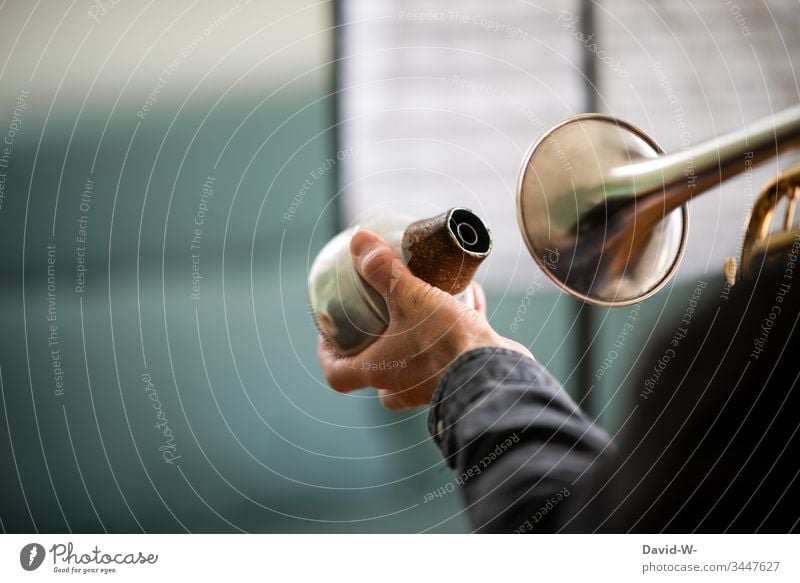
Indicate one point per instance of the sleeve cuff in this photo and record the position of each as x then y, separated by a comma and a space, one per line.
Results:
470, 376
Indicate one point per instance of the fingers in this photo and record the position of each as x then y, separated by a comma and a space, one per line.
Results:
403, 292
377, 262
392, 400
343, 373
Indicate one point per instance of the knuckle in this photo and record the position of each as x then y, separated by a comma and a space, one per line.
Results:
374, 264
411, 299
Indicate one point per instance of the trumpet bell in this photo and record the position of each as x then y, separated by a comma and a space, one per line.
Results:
584, 223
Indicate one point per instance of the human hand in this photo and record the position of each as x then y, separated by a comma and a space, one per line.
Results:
428, 329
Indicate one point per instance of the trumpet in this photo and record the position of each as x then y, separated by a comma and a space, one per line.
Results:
761, 247
602, 207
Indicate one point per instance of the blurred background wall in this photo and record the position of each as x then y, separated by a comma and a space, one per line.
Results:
168, 172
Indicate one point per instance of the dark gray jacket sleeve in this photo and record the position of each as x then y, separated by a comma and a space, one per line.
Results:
526, 457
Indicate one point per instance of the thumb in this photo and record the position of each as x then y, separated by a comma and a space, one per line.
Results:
377, 263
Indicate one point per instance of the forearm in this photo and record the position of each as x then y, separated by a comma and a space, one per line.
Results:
522, 450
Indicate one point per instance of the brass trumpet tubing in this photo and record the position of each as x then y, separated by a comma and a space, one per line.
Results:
760, 246
791, 207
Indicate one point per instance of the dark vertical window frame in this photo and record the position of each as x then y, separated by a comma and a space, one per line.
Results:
585, 313
337, 10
